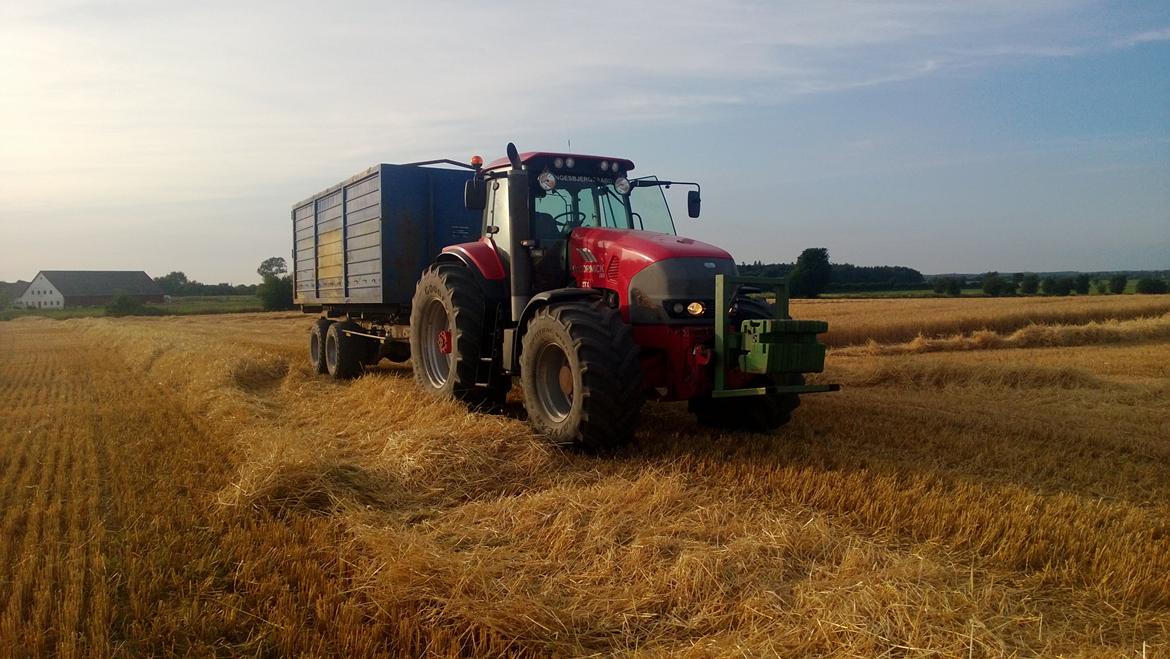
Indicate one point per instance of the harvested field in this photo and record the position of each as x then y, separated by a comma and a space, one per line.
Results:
185, 486
894, 320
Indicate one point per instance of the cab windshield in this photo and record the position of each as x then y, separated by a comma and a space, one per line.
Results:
581, 201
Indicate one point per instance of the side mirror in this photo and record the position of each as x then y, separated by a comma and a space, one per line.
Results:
475, 194
693, 202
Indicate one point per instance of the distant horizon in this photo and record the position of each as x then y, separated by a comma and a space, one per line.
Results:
738, 262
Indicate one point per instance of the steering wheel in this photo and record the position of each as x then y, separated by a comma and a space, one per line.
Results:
575, 222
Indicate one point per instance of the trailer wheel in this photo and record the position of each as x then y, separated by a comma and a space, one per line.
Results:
446, 336
751, 413
581, 375
343, 353
317, 345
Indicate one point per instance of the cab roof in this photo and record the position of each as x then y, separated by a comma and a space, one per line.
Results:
533, 155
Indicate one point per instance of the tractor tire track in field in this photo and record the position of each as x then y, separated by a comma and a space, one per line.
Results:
50, 553
109, 541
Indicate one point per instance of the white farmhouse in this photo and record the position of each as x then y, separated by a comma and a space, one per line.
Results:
41, 294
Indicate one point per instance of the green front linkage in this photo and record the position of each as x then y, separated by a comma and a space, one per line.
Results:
775, 347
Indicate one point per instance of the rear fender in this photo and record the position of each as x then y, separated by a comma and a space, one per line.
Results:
481, 259
481, 254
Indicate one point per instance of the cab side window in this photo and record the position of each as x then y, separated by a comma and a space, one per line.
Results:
497, 216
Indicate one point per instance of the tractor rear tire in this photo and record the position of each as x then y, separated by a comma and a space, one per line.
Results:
581, 376
343, 353
447, 319
750, 413
317, 346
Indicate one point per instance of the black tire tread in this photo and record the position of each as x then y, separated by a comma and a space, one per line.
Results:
317, 361
467, 312
611, 376
350, 351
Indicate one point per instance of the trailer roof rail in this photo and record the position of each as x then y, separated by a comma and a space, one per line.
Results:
440, 161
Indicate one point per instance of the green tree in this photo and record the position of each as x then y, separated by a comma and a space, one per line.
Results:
1081, 283
1048, 286
993, 284
954, 286
274, 266
1029, 284
172, 283
1151, 286
812, 273
939, 284
1101, 286
1117, 284
276, 291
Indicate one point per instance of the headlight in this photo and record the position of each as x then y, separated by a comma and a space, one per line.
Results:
559, 162
569, 162
622, 184
605, 165
696, 308
547, 181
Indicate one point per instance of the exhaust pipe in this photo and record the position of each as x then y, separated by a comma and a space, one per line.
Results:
521, 288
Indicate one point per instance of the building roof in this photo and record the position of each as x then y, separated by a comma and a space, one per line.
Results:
14, 289
102, 282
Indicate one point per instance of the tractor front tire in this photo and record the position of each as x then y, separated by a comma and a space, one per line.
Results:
317, 346
343, 353
581, 376
447, 319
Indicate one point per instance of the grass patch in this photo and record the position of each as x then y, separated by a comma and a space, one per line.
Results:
179, 306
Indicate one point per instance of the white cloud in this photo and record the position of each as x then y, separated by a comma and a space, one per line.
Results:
1145, 37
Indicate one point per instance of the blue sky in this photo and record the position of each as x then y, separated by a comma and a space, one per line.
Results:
961, 136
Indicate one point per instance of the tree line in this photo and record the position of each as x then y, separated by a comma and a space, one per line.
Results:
177, 283
994, 284
812, 274
275, 289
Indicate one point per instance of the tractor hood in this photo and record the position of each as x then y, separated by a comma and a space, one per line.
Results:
638, 249
647, 270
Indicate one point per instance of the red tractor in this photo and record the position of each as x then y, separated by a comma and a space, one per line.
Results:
579, 286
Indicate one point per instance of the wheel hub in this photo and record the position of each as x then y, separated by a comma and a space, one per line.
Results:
554, 382
436, 354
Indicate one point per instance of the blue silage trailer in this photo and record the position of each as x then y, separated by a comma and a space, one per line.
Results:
362, 244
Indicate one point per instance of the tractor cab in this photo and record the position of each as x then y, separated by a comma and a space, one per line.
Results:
562, 193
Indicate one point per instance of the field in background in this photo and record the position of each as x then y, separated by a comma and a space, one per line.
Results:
181, 306
981, 486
